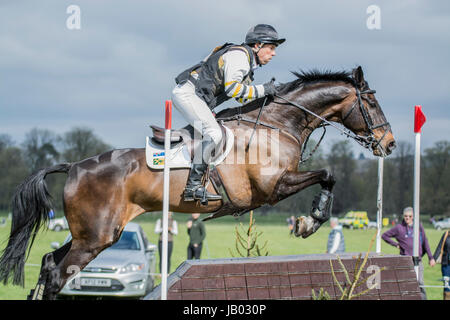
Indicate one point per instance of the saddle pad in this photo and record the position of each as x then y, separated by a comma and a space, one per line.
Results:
179, 154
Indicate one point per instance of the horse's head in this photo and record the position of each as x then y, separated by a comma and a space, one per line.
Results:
366, 119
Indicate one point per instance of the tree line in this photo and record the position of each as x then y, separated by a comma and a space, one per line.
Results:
43, 148
357, 181
356, 176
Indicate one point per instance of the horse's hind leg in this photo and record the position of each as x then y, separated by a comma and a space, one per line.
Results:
89, 239
78, 256
49, 273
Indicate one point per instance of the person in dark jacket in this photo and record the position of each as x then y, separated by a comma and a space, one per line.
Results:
197, 233
404, 234
443, 252
291, 224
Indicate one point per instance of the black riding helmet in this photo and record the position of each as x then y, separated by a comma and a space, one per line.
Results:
263, 33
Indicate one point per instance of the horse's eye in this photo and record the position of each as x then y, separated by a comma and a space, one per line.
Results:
372, 103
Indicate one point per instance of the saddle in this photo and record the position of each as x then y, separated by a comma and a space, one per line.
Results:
159, 136
181, 154
176, 136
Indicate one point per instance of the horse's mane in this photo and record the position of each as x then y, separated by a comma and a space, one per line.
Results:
305, 77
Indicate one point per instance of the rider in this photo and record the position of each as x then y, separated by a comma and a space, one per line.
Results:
225, 73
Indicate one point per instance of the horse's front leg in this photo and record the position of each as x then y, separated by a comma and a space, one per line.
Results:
293, 182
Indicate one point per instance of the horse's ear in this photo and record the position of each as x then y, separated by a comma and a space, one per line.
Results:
358, 75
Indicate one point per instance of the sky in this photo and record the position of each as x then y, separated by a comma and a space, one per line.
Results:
115, 72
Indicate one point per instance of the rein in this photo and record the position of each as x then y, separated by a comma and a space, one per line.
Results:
365, 141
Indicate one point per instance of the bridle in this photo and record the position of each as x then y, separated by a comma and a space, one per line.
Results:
369, 141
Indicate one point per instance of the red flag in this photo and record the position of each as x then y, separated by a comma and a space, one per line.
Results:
168, 114
419, 119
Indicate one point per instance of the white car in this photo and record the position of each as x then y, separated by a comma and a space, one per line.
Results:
58, 224
372, 225
442, 224
126, 269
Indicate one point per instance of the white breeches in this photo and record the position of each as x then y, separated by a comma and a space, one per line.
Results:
199, 116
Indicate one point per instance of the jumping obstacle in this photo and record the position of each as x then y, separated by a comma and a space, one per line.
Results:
287, 278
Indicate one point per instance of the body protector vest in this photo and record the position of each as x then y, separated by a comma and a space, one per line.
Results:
208, 75
331, 236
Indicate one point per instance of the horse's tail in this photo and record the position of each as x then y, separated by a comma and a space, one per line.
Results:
31, 204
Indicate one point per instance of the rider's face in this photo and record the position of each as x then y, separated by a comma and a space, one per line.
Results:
266, 52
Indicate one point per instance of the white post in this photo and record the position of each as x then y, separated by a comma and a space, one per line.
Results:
379, 203
165, 232
419, 120
416, 204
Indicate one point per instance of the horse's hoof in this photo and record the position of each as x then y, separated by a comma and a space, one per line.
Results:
305, 226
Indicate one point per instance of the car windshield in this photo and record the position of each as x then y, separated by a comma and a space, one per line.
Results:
128, 241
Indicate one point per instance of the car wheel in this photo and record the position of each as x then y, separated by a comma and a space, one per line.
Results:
57, 228
439, 228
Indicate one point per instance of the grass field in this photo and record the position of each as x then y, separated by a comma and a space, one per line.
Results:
220, 238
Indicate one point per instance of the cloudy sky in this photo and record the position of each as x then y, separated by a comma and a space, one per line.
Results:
115, 72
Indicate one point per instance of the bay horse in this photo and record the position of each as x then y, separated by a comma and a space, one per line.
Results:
103, 193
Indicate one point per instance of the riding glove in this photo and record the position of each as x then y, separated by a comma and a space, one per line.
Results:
270, 89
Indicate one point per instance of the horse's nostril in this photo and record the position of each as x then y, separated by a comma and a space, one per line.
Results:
392, 145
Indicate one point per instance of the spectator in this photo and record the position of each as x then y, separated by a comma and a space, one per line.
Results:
336, 241
197, 233
51, 214
442, 255
404, 234
291, 222
394, 219
432, 220
173, 230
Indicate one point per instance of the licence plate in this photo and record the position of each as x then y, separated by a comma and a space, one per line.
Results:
95, 282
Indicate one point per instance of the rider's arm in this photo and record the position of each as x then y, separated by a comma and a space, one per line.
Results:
236, 67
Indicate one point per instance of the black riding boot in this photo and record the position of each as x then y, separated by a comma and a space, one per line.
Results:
194, 189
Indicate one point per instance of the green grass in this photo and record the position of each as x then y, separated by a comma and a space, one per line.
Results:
220, 238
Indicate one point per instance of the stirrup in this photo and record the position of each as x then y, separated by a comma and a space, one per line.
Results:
200, 193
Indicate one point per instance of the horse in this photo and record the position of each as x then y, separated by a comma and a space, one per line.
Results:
103, 193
